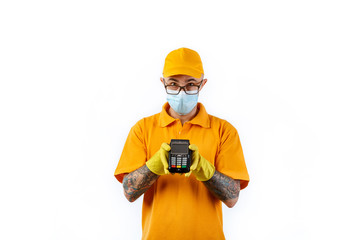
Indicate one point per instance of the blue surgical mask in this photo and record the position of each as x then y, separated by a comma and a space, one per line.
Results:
182, 103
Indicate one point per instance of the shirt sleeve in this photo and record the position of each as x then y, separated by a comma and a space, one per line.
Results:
230, 159
134, 152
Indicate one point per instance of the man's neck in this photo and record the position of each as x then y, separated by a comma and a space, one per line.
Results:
183, 118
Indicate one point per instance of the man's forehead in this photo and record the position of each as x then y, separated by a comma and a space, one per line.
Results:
181, 77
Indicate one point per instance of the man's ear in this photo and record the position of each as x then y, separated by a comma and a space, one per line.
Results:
203, 83
162, 80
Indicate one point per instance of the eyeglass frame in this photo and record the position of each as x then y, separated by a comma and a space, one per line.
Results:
183, 87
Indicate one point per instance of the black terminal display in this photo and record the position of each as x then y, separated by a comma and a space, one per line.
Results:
179, 148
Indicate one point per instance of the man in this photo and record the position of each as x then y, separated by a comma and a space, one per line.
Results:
183, 206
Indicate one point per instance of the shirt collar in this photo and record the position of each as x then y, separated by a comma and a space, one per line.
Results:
202, 118
165, 119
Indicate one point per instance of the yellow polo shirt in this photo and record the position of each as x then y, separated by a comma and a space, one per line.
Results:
176, 207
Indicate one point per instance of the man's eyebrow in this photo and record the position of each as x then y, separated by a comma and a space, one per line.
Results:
173, 79
191, 79
188, 80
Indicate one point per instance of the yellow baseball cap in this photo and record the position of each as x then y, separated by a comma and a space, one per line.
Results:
183, 61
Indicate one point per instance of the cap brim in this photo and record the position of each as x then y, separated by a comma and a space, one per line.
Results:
182, 71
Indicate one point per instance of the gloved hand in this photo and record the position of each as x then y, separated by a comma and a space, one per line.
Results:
202, 168
158, 163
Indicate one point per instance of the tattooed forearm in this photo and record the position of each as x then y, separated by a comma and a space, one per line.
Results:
224, 188
138, 182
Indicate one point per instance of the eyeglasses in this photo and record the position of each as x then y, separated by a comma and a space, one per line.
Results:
190, 88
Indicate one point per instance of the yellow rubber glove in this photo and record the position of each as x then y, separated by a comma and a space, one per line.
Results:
202, 168
158, 163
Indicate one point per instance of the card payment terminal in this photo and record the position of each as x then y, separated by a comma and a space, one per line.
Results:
179, 156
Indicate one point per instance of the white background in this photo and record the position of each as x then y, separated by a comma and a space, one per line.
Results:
76, 75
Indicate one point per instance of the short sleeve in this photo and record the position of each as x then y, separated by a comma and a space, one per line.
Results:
133, 155
230, 159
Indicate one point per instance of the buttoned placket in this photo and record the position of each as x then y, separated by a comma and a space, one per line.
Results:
181, 129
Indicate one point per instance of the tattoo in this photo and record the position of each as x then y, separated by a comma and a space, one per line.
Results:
138, 182
223, 187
